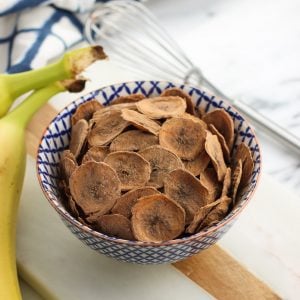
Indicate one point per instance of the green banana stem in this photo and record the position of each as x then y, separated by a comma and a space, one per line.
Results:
12, 169
70, 65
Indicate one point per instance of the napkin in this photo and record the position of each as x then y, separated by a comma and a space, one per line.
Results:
34, 31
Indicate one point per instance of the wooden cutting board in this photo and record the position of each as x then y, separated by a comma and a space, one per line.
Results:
213, 269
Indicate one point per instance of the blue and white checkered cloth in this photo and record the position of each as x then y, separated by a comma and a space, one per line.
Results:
34, 31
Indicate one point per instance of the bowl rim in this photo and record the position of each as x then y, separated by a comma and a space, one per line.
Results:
177, 241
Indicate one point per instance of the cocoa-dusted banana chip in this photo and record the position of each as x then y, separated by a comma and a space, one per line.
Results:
180, 93
109, 108
183, 137
125, 203
223, 123
182, 187
226, 183
115, 225
157, 218
132, 169
214, 150
216, 214
162, 107
73, 208
96, 153
140, 121
68, 164
86, 111
225, 149
95, 187
209, 179
200, 216
106, 128
244, 154
133, 140
236, 179
162, 162
198, 165
78, 136
128, 99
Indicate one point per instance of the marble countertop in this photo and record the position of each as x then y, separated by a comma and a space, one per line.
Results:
249, 49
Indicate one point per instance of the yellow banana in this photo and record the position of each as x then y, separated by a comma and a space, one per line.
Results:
12, 168
71, 64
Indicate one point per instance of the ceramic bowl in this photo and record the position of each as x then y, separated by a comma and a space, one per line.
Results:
56, 138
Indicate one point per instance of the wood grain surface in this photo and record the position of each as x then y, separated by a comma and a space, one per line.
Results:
213, 269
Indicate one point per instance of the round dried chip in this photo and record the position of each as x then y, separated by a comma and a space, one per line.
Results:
162, 107
115, 225
78, 136
125, 203
132, 169
157, 219
162, 162
180, 93
118, 107
216, 214
95, 187
86, 111
96, 154
226, 183
68, 166
133, 140
110, 125
222, 141
209, 179
223, 123
214, 150
244, 154
198, 165
236, 179
127, 99
182, 187
140, 121
183, 136
200, 216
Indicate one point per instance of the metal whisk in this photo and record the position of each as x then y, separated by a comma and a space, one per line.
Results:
132, 36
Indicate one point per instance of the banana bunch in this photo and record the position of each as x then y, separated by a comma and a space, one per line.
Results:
46, 82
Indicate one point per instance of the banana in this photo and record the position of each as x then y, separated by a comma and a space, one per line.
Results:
70, 65
12, 169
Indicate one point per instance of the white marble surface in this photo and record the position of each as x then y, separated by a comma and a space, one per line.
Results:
250, 49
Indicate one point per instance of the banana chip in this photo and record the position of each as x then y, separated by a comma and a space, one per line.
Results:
96, 154
132, 169
95, 187
106, 128
78, 136
162, 162
180, 93
86, 111
162, 107
226, 183
182, 187
133, 140
223, 123
244, 154
236, 179
140, 121
222, 141
125, 203
214, 150
157, 219
128, 99
198, 165
115, 225
183, 137
209, 180
68, 164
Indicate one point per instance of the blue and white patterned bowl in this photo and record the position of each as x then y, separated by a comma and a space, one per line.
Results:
56, 139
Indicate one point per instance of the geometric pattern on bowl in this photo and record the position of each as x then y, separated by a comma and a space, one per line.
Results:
56, 138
